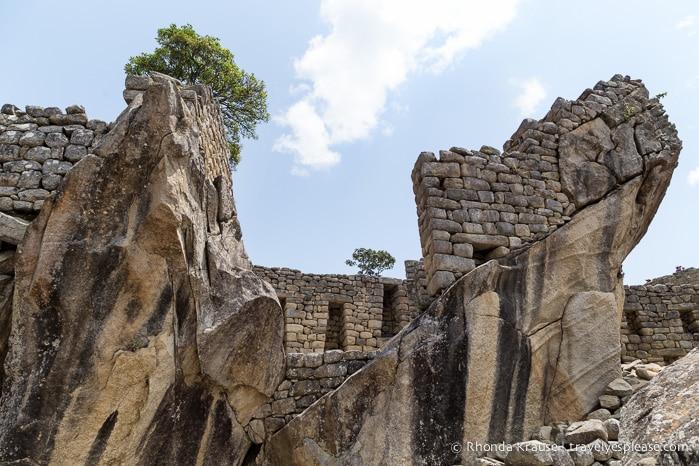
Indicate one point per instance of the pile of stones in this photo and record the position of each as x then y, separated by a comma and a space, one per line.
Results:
590, 442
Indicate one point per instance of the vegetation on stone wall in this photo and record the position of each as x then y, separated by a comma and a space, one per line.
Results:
370, 261
195, 59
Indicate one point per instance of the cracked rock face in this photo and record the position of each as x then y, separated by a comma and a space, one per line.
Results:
139, 333
516, 343
665, 414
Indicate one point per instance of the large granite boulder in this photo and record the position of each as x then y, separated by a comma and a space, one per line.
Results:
661, 421
516, 343
139, 333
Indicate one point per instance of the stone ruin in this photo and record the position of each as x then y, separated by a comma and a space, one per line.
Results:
37, 148
347, 312
521, 268
474, 206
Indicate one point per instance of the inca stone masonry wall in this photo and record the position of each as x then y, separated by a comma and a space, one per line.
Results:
660, 323
202, 103
347, 312
37, 148
478, 205
472, 206
308, 377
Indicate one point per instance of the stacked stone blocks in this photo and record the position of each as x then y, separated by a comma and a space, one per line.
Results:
38, 146
308, 377
478, 205
206, 107
347, 312
660, 323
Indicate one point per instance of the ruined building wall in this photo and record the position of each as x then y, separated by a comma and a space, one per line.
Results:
416, 285
202, 103
478, 205
38, 145
660, 323
347, 312
308, 377
37, 148
472, 206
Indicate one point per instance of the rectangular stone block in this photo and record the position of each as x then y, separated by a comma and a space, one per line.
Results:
455, 183
462, 194
372, 324
481, 242
441, 169
509, 217
460, 216
516, 200
531, 218
469, 227
435, 212
285, 406
476, 184
463, 250
505, 228
469, 170
445, 225
439, 281
294, 328
442, 203
486, 196
451, 263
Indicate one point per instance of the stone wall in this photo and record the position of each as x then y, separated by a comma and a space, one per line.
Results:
416, 284
37, 148
660, 323
201, 102
308, 377
347, 312
478, 205
472, 206
39, 145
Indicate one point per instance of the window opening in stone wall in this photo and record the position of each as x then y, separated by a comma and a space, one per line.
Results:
632, 325
332, 333
389, 318
690, 323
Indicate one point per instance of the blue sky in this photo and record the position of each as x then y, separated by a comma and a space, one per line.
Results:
358, 88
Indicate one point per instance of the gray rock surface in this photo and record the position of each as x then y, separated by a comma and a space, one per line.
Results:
513, 345
12, 229
664, 416
140, 335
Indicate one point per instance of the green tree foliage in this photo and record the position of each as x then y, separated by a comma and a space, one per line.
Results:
195, 59
371, 262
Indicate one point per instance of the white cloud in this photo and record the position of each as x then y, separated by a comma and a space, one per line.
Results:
532, 94
687, 24
372, 48
693, 177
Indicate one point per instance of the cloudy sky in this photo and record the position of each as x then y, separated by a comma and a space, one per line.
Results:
358, 88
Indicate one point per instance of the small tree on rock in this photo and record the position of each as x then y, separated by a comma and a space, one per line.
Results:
370, 261
194, 59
